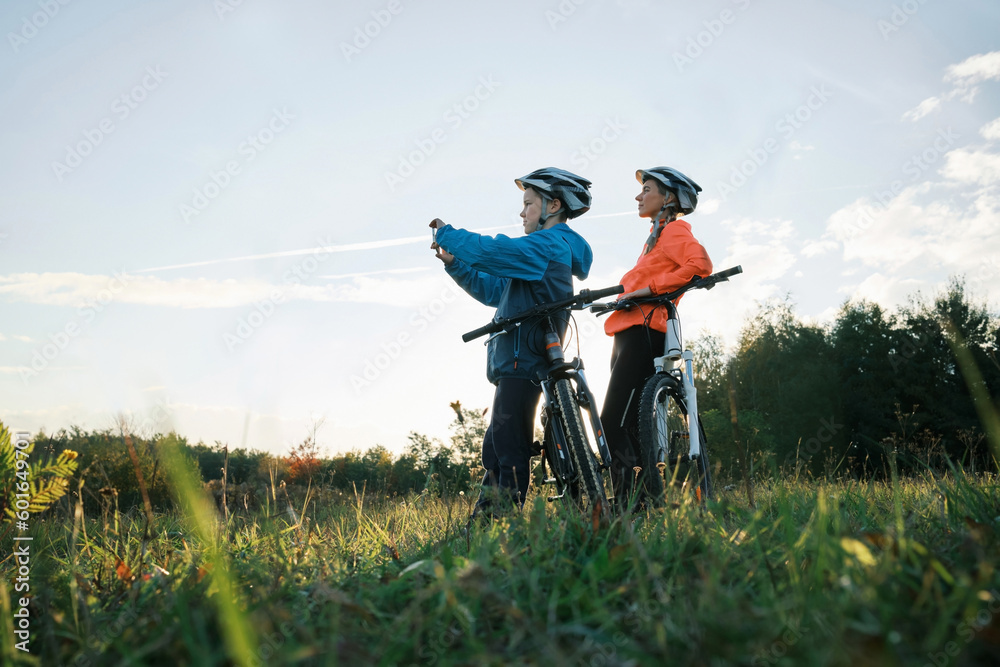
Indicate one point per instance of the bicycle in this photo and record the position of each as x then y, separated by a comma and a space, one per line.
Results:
565, 446
670, 430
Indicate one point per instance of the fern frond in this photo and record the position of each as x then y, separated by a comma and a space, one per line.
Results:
46, 493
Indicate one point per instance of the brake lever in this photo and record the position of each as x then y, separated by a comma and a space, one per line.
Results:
499, 333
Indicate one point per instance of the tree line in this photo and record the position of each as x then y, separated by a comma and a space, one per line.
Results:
871, 390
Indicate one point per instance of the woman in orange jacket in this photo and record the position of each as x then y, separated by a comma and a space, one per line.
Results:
670, 259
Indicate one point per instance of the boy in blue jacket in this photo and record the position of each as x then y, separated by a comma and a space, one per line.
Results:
515, 274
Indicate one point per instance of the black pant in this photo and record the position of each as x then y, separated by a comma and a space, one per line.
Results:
507, 444
631, 364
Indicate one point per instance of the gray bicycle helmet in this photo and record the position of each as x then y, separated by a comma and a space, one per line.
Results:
551, 183
683, 187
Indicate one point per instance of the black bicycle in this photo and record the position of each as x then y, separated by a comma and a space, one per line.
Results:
671, 436
566, 450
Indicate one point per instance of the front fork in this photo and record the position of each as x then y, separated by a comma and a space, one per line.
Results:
665, 364
691, 399
586, 399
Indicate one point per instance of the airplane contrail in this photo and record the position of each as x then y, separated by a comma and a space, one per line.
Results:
346, 247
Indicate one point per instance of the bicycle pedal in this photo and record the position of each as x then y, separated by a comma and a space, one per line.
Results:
536, 448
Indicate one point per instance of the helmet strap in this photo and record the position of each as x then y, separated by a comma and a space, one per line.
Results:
543, 217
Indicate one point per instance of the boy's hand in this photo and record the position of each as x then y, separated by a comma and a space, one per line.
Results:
441, 253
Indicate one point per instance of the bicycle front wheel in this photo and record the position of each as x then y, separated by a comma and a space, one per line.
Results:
664, 441
579, 447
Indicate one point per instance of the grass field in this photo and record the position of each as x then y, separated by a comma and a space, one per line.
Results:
845, 573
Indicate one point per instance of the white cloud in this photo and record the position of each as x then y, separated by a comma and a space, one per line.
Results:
928, 231
965, 77
973, 165
14, 370
991, 130
79, 290
761, 247
975, 69
922, 109
821, 247
885, 290
708, 205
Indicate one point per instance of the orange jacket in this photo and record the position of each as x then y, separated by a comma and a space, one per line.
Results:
676, 258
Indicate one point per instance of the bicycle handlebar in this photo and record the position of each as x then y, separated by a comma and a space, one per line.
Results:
723, 275
696, 283
481, 331
575, 302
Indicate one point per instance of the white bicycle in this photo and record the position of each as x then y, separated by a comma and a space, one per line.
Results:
671, 438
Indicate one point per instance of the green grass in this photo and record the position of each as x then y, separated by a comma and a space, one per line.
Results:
817, 574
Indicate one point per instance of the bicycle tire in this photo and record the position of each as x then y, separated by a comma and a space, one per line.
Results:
553, 447
579, 448
663, 426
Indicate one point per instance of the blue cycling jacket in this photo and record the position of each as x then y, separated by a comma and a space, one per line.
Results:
515, 274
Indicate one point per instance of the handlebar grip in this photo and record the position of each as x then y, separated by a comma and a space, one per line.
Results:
481, 331
729, 272
594, 295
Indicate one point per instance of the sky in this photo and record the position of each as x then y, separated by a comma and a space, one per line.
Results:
214, 212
